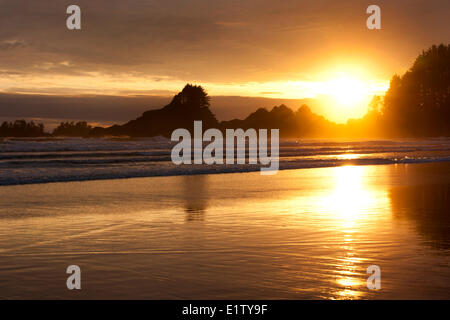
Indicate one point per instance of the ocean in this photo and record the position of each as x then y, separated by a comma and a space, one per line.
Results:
40, 160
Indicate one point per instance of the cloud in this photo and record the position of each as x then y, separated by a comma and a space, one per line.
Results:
11, 44
212, 41
270, 92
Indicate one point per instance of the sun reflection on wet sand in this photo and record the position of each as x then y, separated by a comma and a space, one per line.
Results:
349, 198
350, 204
301, 234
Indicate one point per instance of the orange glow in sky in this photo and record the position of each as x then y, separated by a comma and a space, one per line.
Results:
343, 94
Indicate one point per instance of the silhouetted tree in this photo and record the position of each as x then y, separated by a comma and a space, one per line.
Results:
301, 123
21, 128
191, 104
192, 96
71, 129
418, 103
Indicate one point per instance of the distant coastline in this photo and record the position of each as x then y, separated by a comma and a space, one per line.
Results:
417, 104
54, 159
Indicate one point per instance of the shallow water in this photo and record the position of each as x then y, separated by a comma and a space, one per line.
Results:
24, 161
300, 234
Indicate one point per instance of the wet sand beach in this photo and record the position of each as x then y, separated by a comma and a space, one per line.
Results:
300, 234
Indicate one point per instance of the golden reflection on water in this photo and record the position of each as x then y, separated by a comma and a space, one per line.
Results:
349, 198
350, 203
302, 234
349, 156
352, 213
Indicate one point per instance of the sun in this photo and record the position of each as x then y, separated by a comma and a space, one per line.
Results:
347, 91
346, 94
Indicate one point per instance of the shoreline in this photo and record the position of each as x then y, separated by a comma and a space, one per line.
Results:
202, 173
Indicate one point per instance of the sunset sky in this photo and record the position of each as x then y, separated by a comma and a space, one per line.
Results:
254, 48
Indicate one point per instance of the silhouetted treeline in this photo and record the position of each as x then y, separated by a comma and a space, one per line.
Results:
22, 128
191, 104
300, 123
416, 104
72, 129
